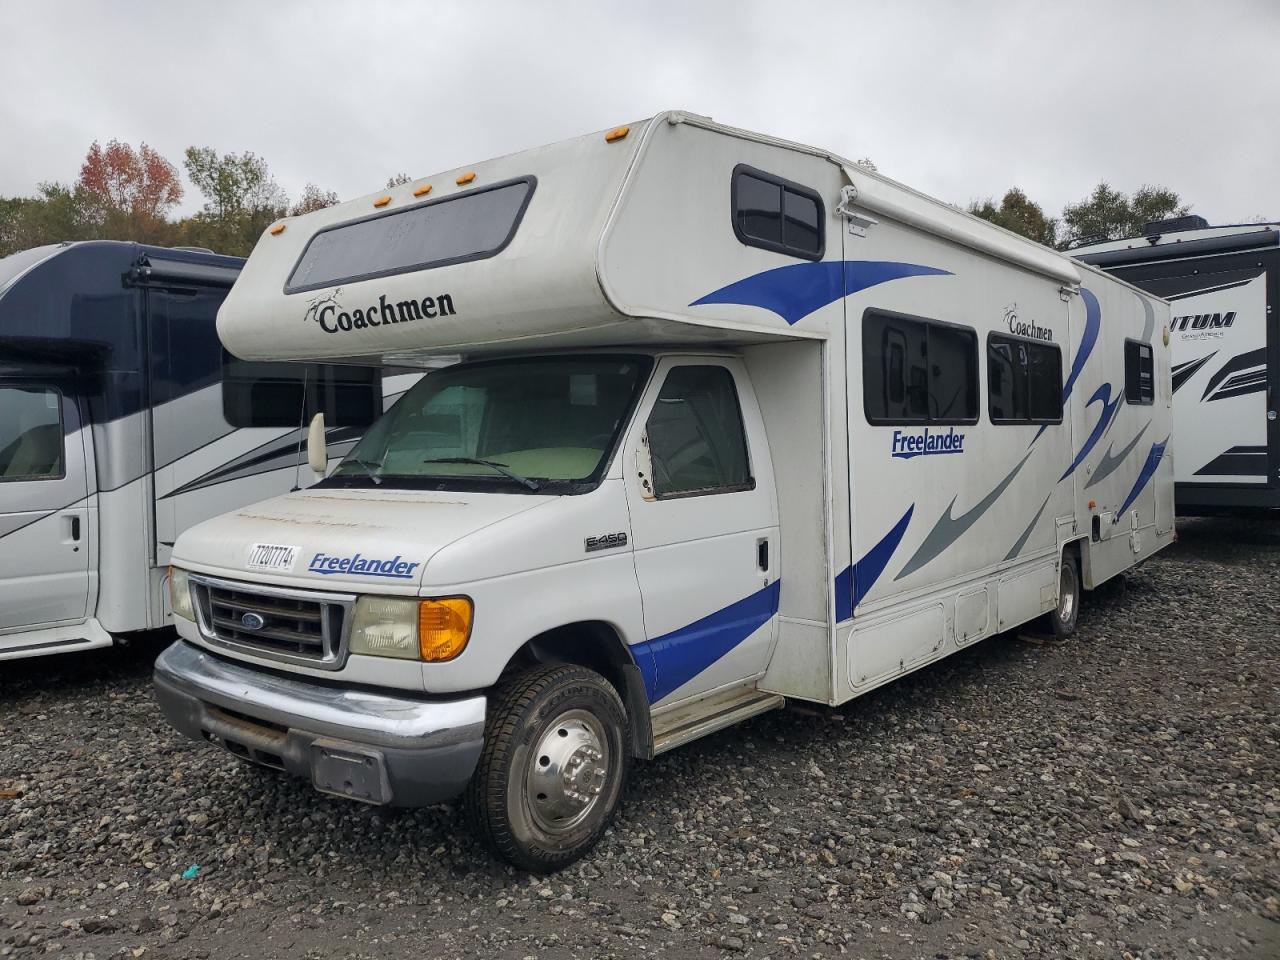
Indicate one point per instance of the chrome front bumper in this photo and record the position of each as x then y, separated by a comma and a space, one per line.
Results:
375, 747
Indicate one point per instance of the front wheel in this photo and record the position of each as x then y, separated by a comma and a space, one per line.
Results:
1062, 621
552, 768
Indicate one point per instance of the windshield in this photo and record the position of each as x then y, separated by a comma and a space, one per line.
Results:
538, 424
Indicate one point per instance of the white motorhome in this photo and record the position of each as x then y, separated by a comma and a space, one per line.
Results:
1224, 286
123, 422
739, 423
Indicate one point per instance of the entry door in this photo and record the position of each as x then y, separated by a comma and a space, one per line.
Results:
44, 522
704, 530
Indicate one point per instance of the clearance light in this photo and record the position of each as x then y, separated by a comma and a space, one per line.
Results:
277, 229
1093, 504
617, 133
444, 626
466, 178
423, 190
382, 201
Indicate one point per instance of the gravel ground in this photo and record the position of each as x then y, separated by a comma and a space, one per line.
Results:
1115, 796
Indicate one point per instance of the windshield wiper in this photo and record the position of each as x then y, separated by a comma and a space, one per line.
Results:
370, 466
500, 467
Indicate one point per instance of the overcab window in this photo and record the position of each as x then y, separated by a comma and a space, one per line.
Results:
776, 214
468, 226
918, 371
1139, 372
1024, 380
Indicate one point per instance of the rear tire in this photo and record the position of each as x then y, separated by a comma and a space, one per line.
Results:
552, 768
1061, 623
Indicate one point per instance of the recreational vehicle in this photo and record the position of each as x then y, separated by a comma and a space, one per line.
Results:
1224, 286
738, 423
123, 422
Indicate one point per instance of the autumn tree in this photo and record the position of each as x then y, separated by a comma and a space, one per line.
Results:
241, 199
128, 193
313, 198
1017, 212
1108, 214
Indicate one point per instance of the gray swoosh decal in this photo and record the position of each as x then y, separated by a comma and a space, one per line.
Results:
949, 529
1150, 325
1026, 534
1108, 464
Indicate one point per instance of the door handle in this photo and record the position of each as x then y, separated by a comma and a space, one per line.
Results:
762, 554
75, 529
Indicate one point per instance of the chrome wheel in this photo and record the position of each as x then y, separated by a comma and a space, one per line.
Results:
1066, 595
568, 770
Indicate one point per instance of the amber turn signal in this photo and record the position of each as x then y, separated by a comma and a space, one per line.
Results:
444, 627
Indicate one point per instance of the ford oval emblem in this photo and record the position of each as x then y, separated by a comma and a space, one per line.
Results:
252, 621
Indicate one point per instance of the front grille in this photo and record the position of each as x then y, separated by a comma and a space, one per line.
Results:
299, 626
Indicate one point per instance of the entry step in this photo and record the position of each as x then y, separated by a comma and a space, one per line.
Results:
689, 722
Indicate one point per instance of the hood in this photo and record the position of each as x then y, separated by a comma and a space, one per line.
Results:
361, 540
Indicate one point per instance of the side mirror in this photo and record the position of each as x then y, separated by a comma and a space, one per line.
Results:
317, 452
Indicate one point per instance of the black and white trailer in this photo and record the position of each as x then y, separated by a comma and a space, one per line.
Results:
123, 422
1224, 285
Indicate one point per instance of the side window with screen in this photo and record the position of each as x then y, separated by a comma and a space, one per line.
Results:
282, 394
776, 214
31, 446
918, 371
1139, 373
1024, 381
697, 443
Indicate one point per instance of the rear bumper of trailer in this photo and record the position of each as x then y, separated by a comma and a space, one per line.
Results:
369, 746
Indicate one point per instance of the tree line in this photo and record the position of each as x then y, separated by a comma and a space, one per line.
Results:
123, 193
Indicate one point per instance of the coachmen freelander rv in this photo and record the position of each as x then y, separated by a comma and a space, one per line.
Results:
740, 422
122, 423
1224, 284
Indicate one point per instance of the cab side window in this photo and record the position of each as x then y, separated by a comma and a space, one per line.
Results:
697, 443
31, 433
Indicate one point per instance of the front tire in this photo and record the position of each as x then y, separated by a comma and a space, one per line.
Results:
552, 768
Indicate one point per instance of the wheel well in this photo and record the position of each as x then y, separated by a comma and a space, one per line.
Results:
1075, 551
596, 645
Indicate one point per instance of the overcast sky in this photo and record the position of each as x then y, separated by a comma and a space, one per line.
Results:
958, 99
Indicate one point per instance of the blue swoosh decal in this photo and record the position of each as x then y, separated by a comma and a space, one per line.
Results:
797, 290
1144, 475
673, 659
853, 582
1109, 408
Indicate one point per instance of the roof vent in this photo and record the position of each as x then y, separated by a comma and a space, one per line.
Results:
1175, 225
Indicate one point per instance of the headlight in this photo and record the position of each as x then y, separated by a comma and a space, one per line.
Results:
385, 627
430, 630
180, 594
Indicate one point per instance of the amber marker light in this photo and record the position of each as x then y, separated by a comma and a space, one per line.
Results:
466, 178
617, 133
382, 201
277, 229
444, 626
423, 190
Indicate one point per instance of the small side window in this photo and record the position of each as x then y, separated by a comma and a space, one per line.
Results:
1024, 380
282, 394
31, 445
697, 443
776, 214
1139, 373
